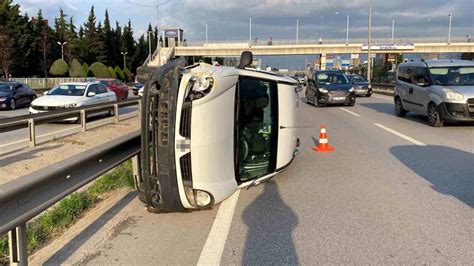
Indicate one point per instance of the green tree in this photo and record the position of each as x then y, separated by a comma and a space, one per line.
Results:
85, 68
59, 68
61, 26
119, 73
91, 42
99, 70
112, 72
128, 74
109, 41
76, 70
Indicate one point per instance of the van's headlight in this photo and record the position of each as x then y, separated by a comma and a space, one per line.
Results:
198, 198
351, 89
453, 95
2, 99
323, 90
198, 87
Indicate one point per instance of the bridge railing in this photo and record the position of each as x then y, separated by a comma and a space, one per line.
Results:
260, 42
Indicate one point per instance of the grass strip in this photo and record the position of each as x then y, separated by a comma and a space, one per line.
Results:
68, 210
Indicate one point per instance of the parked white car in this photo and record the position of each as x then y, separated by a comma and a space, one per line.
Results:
216, 130
70, 95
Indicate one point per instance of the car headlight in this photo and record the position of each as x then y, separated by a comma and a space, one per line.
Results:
2, 99
71, 105
198, 87
323, 90
453, 95
198, 198
351, 89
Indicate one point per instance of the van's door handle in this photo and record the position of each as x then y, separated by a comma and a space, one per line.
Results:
410, 90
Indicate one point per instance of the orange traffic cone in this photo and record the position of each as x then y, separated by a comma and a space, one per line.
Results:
323, 141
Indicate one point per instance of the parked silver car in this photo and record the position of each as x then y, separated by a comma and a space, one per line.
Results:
443, 90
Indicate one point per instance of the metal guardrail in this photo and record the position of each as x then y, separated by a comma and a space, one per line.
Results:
32, 120
41, 83
24, 198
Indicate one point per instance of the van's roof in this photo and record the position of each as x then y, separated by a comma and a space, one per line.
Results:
438, 63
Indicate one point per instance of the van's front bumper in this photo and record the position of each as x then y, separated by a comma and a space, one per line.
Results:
455, 112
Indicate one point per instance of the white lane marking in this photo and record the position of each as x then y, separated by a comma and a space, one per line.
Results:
405, 137
212, 252
383, 98
348, 111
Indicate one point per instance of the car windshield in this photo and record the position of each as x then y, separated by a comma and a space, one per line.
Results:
453, 76
357, 78
256, 128
334, 78
68, 90
104, 82
5, 88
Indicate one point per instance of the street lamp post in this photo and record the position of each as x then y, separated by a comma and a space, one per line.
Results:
62, 49
347, 30
369, 59
149, 43
124, 54
297, 29
393, 28
206, 33
449, 29
321, 33
250, 31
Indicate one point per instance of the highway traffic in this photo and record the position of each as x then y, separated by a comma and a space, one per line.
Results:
393, 191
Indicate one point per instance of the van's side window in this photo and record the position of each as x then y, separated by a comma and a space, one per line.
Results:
421, 76
404, 74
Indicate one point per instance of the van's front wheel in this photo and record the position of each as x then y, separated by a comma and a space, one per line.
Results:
434, 118
399, 110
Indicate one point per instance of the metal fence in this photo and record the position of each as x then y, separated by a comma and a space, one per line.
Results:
79, 113
41, 83
24, 198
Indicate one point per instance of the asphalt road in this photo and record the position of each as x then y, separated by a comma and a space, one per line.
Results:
19, 138
394, 191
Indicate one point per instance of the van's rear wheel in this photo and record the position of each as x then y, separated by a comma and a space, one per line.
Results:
434, 118
399, 110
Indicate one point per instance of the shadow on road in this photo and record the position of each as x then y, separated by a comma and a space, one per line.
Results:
449, 170
25, 155
270, 224
70, 248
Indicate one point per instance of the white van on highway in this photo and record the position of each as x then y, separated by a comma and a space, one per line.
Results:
208, 131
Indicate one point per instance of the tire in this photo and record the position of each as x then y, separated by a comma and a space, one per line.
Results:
351, 104
316, 102
434, 118
368, 94
307, 100
399, 110
12, 104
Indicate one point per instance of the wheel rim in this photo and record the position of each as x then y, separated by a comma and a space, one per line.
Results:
12, 104
433, 115
398, 106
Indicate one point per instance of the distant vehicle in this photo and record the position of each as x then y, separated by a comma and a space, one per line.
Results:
330, 87
117, 86
443, 90
361, 86
136, 87
70, 95
15, 94
217, 129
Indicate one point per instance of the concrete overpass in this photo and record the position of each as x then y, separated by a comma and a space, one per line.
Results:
235, 49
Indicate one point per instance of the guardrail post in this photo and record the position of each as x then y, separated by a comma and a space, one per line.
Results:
136, 170
32, 132
116, 113
18, 246
139, 109
83, 120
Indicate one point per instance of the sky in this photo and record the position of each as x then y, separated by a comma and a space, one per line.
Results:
228, 20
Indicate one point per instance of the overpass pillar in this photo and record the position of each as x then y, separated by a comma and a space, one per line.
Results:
322, 62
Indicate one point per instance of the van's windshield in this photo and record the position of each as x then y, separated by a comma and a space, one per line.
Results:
256, 128
453, 76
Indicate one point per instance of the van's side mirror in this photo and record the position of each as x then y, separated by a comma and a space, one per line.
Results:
91, 94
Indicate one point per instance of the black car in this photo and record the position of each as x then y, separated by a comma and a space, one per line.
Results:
361, 86
15, 94
330, 87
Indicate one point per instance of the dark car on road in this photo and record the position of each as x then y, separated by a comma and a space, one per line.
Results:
15, 94
330, 87
361, 86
